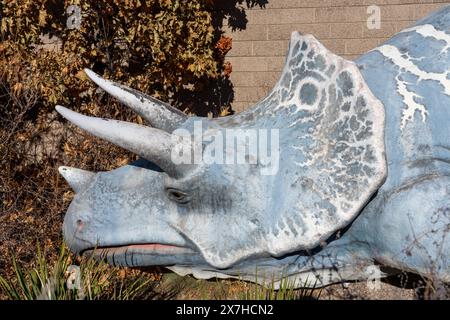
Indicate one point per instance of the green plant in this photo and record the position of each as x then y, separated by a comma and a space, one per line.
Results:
97, 281
287, 290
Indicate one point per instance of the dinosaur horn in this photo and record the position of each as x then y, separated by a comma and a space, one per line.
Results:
77, 179
159, 114
152, 144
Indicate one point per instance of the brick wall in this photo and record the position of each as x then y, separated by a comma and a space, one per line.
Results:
259, 50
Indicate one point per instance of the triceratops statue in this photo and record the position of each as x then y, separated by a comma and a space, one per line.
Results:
362, 179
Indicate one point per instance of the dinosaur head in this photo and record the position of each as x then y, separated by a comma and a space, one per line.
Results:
278, 178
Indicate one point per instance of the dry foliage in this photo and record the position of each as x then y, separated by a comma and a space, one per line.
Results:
166, 48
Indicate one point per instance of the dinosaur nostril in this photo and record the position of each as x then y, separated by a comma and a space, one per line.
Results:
80, 225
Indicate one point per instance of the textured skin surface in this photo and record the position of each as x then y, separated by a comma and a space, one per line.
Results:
359, 184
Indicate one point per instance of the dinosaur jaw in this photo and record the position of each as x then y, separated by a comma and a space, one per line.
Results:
134, 255
156, 248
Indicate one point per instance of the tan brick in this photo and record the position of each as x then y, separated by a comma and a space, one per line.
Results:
276, 4
275, 63
401, 25
360, 46
282, 32
341, 14
397, 12
241, 49
391, 2
424, 10
256, 63
280, 16
336, 46
387, 29
239, 106
351, 57
249, 33
347, 30
266, 79
249, 63
255, 79
270, 48
244, 78
250, 94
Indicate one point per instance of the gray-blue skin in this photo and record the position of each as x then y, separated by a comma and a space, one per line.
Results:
363, 179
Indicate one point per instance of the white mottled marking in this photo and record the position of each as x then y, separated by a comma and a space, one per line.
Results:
428, 30
411, 105
406, 64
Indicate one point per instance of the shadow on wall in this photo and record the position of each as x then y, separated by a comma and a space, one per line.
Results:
234, 13
219, 94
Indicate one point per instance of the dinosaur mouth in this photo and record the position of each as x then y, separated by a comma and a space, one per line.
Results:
146, 248
141, 255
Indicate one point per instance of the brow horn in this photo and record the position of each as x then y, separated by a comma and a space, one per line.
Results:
152, 144
159, 114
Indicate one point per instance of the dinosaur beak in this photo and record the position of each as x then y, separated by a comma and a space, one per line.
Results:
77, 179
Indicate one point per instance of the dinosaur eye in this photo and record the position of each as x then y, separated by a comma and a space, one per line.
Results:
177, 195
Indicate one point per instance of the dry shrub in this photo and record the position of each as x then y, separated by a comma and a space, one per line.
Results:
166, 48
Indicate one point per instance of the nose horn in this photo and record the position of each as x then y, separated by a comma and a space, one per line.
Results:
78, 179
